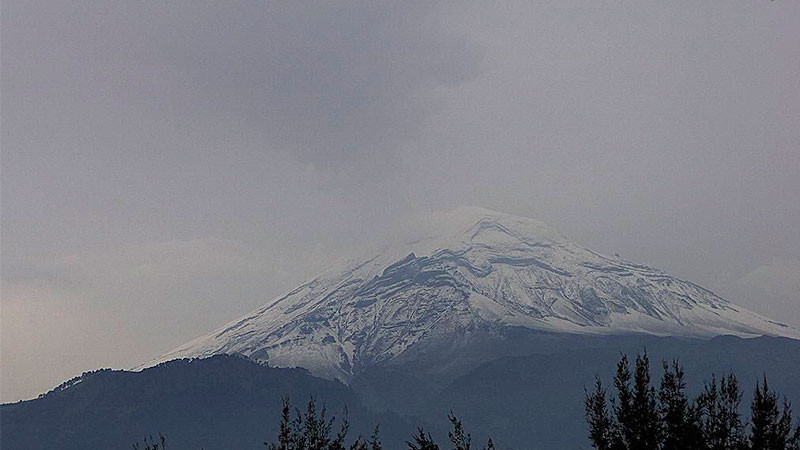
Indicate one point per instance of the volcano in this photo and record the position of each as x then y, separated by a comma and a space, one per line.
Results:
478, 274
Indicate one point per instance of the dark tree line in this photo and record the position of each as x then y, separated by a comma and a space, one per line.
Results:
642, 417
310, 430
152, 444
460, 439
313, 430
639, 416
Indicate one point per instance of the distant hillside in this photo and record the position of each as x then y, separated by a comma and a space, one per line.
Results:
533, 400
536, 400
223, 402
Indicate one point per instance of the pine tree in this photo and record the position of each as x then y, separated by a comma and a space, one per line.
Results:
312, 430
375, 441
731, 398
460, 438
644, 407
298, 439
708, 404
641, 420
601, 426
359, 444
623, 405
680, 421
152, 444
636, 413
770, 429
337, 443
795, 441
490, 443
422, 441
315, 430
694, 430
785, 435
721, 422
284, 430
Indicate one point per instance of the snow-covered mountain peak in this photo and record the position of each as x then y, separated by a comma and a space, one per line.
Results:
459, 229
479, 225
471, 272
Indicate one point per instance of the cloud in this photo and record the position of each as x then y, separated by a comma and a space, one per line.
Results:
63, 315
148, 263
772, 289
129, 129
48, 335
332, 85
168, 166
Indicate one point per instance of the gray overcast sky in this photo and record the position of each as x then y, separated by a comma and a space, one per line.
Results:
168, 166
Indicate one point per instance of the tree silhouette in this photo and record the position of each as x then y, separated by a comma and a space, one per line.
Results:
152, 444
637, 423
374, 440
422, 441
602, 429
770, 429
640, 419
720, 422
460, 438
312, 430
680, 427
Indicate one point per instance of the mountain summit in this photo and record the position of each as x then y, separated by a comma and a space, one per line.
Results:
475, 272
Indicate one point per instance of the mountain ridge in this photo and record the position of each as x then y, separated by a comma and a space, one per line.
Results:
220, 402
533, 398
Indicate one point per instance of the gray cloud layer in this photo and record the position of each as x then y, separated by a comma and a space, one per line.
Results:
170, 165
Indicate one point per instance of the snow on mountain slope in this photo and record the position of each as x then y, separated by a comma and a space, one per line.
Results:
475, 271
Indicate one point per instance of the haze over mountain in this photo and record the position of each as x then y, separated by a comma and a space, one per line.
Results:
473, 275
498, 317
168, 166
